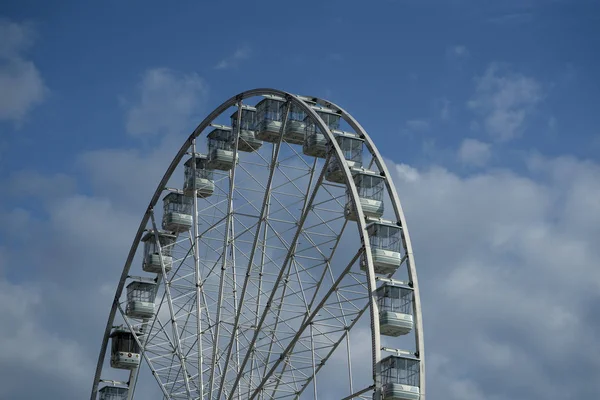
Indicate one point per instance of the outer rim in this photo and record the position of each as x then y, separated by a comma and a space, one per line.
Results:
361, 225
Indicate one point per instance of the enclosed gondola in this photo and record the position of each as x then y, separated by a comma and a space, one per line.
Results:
177, 212
395, 303
112, 393
269, 115
386, 245
199, 178
220, 148
400, 378
125, 351
352, 149
371, 188
295, 126
247, 140
155, 258
140, 299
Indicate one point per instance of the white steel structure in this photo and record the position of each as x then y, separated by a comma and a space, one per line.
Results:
265, 242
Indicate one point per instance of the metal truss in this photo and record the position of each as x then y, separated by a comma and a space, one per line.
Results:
266, 286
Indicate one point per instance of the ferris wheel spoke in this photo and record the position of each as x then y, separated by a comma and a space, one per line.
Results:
317, 283
227, 245
288, 350
255, 296
176, 336
285, 268
139, 343
263, 216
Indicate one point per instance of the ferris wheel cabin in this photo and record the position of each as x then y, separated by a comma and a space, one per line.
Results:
400, 378
201, 179
220, 148
352, 148
268, 119
247, 141
140, 299
370, 187
386, 243
295, 126
395, 304
125, 352
155, 258
177, 212
112, 393
315, 143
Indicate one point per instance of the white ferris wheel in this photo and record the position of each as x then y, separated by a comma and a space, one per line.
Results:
279, 228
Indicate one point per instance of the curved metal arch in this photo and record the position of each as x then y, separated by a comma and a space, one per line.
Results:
412, 272
361, 225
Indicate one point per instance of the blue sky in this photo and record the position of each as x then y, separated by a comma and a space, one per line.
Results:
486, 111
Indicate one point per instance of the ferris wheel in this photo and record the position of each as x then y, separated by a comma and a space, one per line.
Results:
275, 228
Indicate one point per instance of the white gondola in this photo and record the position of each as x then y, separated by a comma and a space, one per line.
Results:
140, 299
400, 378
386, 244
202, 180
152, 256
330, 117
352, 148
112, 393
295, 125
395, 309
220, 149
248, 141
315, 143
268, 119
177, 212
125, 352
370, 187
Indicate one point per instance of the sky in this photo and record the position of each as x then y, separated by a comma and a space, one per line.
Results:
486, 113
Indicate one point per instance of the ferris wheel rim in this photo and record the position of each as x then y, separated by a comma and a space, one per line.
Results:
361, 224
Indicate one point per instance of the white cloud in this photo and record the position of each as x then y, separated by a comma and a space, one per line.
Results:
503, 101
232, 61
457, 52
167, 102
445, 109
131, 174
56, 362
21, 82
474, 153
509, 278
417, 125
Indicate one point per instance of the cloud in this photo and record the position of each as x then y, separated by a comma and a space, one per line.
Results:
444, 109
29, 348
503, 101
167, 101
241, 54
457, 52
473, 152
507, 265
508, 270
21, 82
419, 125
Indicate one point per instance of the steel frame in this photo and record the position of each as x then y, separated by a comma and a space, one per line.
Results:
263, 225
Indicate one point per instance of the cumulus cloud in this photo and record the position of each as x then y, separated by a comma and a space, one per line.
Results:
166, 102
508, 268
472, 152
29, 348
232, 61
21, 82
507, 264
503, 100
